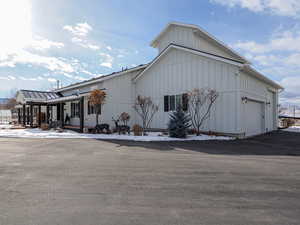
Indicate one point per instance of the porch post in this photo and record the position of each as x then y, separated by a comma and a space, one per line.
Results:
31, 115
24, 115
81, 104
48, 114
19, 116
40, 116
62, 114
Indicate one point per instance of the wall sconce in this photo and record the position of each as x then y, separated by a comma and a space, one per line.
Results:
244, 100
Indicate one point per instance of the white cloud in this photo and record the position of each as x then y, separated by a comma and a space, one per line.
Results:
80, 78
80, 32
289, 8
4, 78
107, 60
25, 57
287, 41
80, 29
40, 43
52, 80
279, 58
109, 48
28, 78
11, 77
84, 43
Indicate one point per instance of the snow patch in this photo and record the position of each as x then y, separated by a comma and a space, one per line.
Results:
293, 129
152, 136
5, 126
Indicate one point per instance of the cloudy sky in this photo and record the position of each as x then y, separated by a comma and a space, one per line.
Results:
74, 40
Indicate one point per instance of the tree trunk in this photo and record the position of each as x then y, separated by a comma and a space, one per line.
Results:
97, 118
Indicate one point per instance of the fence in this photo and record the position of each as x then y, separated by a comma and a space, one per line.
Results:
5, 116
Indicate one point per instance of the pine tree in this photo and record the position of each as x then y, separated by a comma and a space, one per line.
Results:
179, 123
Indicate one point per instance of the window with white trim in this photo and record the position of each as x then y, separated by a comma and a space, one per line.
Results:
171, 102
74, 109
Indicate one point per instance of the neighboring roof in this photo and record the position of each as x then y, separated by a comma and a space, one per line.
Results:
191, 50
101, 78
261, 77
203, 33
38, 96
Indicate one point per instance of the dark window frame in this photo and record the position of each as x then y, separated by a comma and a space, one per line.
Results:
171, 102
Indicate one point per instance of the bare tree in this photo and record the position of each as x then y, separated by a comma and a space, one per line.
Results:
97, 99
200, 102
124, 117
11, 103
146, 109
281, 109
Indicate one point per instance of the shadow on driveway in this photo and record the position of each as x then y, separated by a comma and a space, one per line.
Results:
275, 143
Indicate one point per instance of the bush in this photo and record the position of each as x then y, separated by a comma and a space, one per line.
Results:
137, 130
179, 123
124, 117
45, 126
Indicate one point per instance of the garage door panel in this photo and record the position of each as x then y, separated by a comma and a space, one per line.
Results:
254, 118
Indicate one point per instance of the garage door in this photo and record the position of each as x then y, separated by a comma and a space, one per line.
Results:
254, 118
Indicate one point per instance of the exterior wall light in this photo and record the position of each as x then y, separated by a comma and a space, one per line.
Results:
244, 100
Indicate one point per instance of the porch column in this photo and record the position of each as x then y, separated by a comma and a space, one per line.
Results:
62, 116
81, 104
39, 116
58, 111
48, 114
31, 115
19, 116
24, 115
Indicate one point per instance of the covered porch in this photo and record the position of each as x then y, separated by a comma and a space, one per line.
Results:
36, 108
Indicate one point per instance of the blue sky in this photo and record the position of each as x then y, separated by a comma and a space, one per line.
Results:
74, 40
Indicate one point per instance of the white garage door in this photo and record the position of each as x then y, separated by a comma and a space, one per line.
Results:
254, 118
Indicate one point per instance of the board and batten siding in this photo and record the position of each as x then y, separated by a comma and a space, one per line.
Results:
259, 91
120, 98
186, 37
178, 72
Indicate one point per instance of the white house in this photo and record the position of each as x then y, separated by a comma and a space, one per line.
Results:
188, 57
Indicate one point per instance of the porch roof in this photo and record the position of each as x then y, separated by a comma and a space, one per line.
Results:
64, 99
38, 96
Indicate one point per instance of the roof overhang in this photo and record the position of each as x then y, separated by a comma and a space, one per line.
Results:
202, 33
258, 75
100, 79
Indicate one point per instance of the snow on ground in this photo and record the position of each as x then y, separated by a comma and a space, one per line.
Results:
293, 129
152, 136
5, 126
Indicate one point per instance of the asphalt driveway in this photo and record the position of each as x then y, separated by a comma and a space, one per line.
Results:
91, 182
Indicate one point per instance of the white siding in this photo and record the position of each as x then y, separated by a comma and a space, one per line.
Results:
186, 37
178, 72
120, 97
259, 91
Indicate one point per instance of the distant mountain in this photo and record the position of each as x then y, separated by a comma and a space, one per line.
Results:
3, 100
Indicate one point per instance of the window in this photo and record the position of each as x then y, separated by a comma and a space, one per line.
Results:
91, 109
172, 101
74, 110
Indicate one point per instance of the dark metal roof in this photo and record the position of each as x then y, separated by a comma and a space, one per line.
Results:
31, 95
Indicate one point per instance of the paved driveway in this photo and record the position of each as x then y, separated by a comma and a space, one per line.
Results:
91, 182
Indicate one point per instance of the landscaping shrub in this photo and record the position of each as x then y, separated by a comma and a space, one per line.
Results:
137, 130
124, 117
45, 126
179, 123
